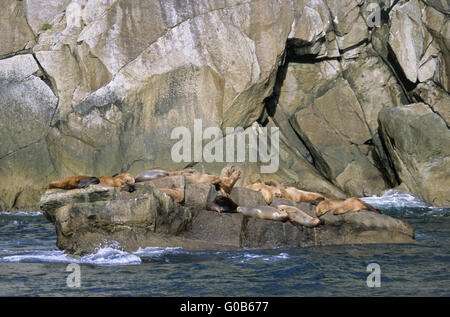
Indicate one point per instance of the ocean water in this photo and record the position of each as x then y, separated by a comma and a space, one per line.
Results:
31, 265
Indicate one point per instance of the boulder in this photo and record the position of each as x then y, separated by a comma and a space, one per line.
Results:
407, 35
177, 181
196, 196
41, 12
436, 98
86, 219
246, 197
333, 129
418, 141
27, 105
350, 228
224, 228
15, 34
349, 25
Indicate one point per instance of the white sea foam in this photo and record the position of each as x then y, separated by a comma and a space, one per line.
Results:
22, 213
281, 256
103, 256
110, 256
393, 198
39, 257
158, 251
250, 257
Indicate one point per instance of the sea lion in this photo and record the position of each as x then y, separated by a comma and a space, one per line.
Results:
197, 177
222, 204
73, 182
177, 194
227, 183
182, 172
117, 180
149, 175
227, 171
277, 189
264, 212
341, 206
298, 195
265, 190
299, 216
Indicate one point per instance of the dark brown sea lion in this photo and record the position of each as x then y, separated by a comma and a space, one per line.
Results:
73, 182
222, 204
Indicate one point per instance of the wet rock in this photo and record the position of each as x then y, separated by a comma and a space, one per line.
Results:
218, 228
86, 218
246, 197
198, 195
100, 216
418, 141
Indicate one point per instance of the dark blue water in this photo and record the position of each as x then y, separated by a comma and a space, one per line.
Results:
30, 264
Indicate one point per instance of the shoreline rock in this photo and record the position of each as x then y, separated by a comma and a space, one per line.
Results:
87, 218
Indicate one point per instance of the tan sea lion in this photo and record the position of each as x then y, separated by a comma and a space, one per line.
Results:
227, 171
277, 189
341, 206
266, 191
197, 177
222, 204
73, 182
182, 172
117, 180
177, 194
298, 195
227, 183
264, 212
299, 216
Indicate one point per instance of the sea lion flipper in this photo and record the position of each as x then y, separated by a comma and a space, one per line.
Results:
339, 211
84, 183
128, 188
372, 208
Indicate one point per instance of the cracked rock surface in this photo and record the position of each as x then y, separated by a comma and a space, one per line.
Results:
96, 87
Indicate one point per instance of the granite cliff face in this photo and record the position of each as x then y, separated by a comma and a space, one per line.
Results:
96, 87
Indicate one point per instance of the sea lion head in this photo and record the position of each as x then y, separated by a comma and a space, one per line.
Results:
222, 204
284, 210
126, 178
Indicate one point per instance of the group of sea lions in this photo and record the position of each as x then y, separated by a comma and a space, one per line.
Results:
224, 185
122, 180
272, 189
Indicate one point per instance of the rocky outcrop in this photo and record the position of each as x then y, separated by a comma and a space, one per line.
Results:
15, 33
118, 76
27, 105
97, 216
418, 141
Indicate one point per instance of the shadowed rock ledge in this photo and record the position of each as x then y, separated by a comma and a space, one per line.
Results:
88, 218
